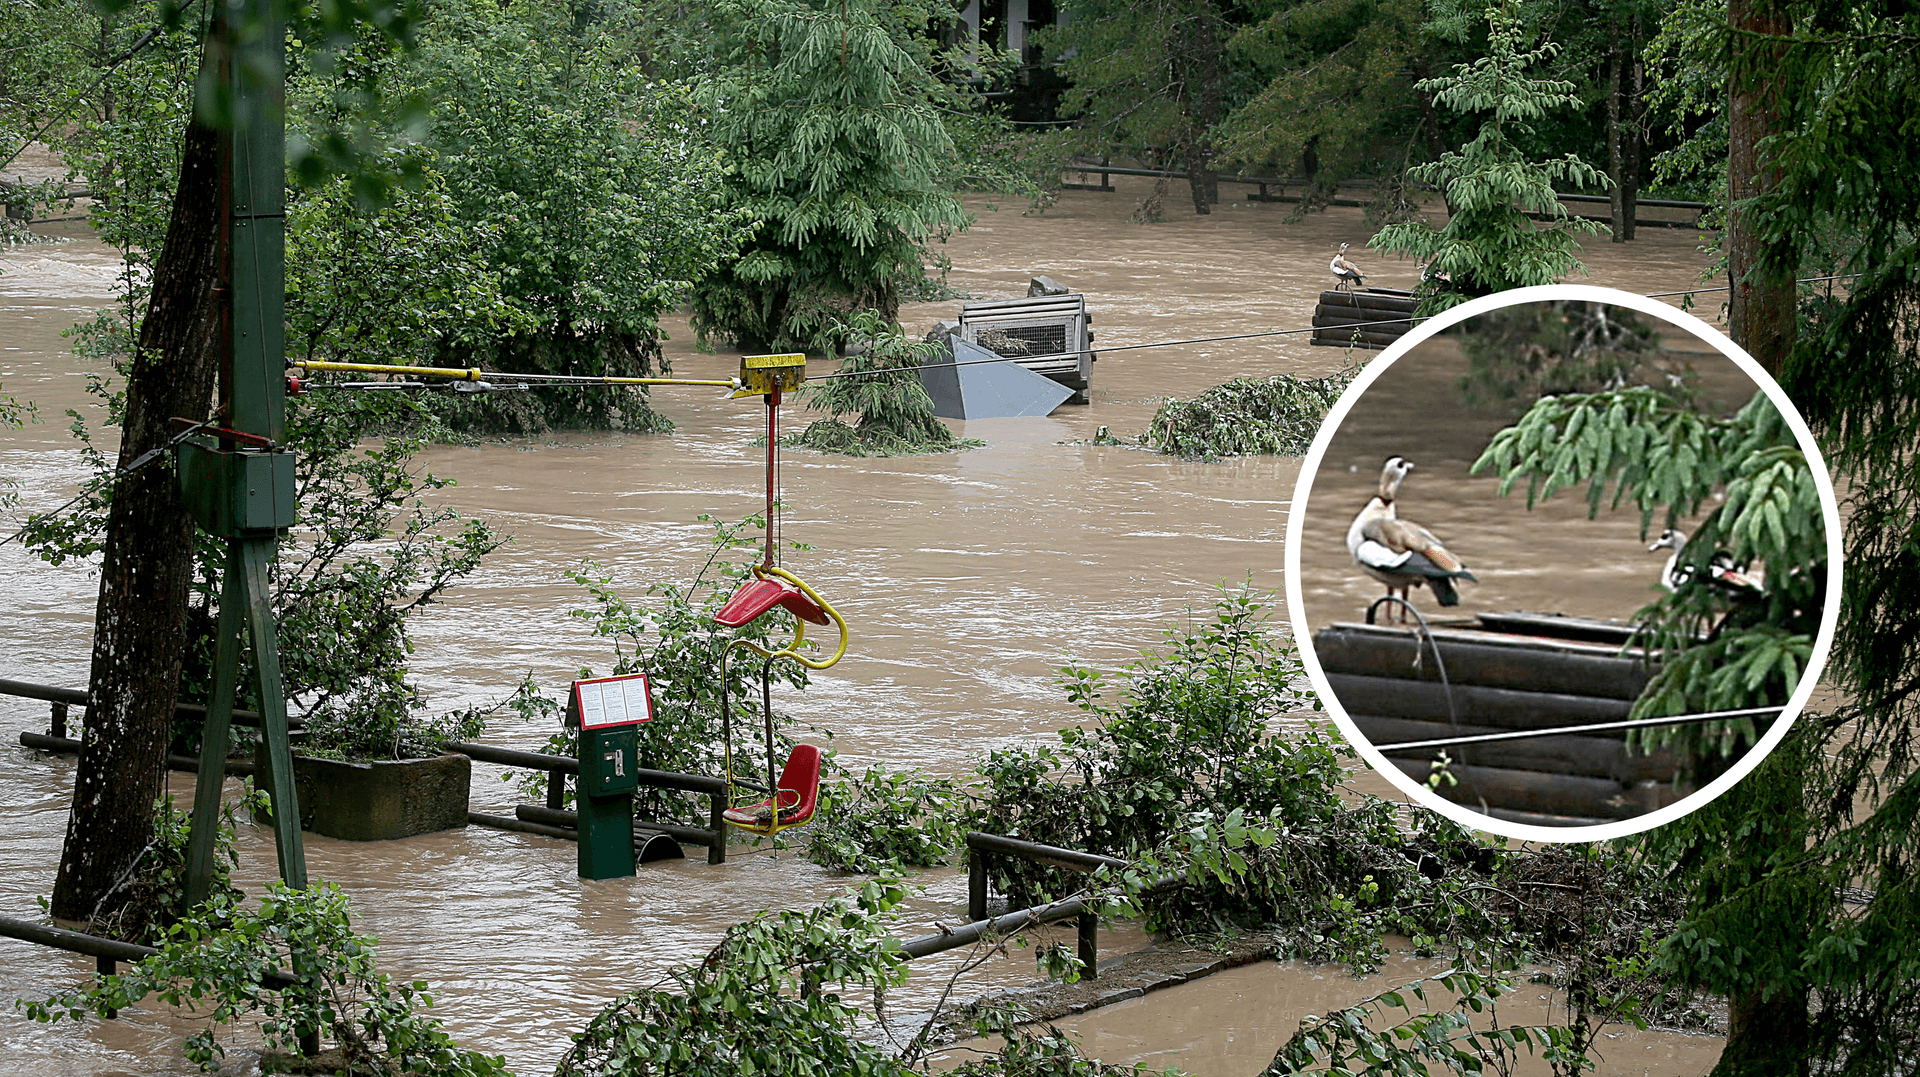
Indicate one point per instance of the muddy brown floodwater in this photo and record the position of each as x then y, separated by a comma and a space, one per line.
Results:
969, 579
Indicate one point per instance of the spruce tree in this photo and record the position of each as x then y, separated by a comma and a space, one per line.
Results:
831, 127
1489, 242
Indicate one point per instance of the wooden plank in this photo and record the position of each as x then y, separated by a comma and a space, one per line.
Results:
1593, 756
1334, 298
1493, 662
1484, 788
1500, 708
1377, 321
1337, 338
1560, 626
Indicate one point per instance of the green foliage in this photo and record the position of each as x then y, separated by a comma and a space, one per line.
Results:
1348, 1042
1191, 736
1337, 77
882, 822
217, 957
365, 553
597, 203
677, 644
1149, 80
1671, 458
1526, 351
153, 895
876, 383
829, 117
764, 1001
1488, 243
1275, 416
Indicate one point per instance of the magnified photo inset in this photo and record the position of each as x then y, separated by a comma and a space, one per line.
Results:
1563, 566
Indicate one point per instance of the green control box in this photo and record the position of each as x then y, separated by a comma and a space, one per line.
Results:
608, 712
609, 761
234, 493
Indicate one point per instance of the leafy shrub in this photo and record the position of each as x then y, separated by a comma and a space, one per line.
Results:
1190, 733
1275, 416
761, 1001
896, 415
1424, 1043
152, 894
677, 644
882, 821
219, 956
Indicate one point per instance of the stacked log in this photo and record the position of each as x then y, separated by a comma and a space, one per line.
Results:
1370, 318
1503, 674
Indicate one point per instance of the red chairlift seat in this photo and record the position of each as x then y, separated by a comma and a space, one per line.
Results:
798, 793
763, 593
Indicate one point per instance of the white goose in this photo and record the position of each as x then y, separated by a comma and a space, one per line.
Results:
1345, 273
1400, 553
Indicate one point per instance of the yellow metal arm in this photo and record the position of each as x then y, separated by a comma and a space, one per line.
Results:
792, 649
465, 374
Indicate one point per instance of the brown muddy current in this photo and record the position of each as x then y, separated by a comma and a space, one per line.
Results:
969, 579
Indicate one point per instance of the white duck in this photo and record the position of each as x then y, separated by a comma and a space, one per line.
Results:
1345, 273
1400, 553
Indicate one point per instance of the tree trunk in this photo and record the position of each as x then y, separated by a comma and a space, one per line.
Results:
1766, 1037
1633, 110
1762, 308
1616, 155
140, 624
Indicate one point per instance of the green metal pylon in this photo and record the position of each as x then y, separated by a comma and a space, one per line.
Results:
242, 487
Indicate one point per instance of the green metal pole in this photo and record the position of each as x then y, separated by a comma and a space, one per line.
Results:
255, 554
214, 740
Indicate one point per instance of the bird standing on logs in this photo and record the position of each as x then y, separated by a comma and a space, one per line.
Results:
1400, 553
1345, 273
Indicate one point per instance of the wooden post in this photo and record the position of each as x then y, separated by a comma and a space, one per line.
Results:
976, 886
1088, 923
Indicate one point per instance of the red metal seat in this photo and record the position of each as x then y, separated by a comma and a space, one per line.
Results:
798, 794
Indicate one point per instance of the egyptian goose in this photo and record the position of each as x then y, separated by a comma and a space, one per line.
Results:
1720, 570
1345, 273
1400, 553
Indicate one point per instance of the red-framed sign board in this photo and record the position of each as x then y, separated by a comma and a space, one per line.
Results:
604, 702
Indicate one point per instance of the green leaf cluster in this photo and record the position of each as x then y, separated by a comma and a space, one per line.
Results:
829, 119
1489, 244
767, 1000
1349, 1043
883, 821
876, 382
216, 958
1275, 416
1719, 650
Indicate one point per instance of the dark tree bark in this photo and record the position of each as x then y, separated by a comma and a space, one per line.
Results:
1623, 133
140, 625
1761, 314
1766, 1033
1200, 60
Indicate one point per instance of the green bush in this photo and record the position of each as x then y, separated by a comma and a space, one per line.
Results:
1275, 416
882, 821
219, 955
875, 383
761, 1002
677, 644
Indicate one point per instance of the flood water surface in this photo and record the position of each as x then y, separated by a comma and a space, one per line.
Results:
969, 579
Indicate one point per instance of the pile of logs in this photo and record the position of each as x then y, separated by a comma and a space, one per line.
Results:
1369, 318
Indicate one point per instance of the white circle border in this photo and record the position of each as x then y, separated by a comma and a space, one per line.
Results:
1303, 631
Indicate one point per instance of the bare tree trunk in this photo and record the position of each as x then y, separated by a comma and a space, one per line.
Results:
140, 625
1616, 153
1762, 311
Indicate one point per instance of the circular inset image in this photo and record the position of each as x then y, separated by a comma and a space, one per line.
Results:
1564, 563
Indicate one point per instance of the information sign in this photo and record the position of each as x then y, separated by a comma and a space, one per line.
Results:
613, 701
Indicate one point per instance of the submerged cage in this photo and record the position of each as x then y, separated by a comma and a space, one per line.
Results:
1047, 334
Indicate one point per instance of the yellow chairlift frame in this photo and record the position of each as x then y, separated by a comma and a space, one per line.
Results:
761, 375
